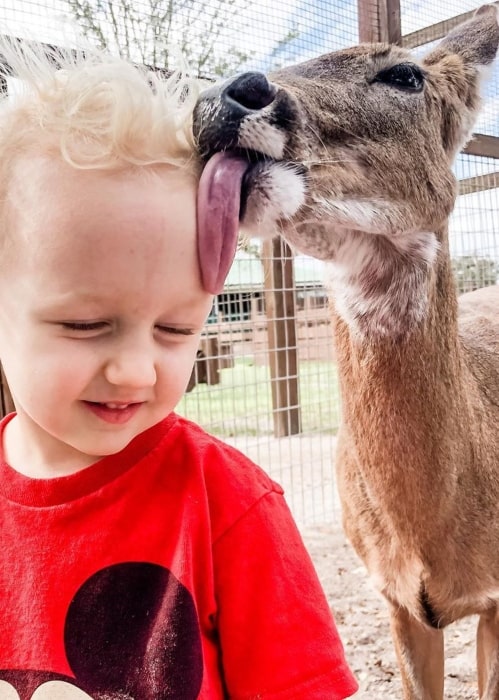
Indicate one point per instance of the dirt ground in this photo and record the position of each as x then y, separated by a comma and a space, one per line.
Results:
362, 621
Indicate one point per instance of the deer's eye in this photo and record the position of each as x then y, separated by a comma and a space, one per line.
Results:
405, 76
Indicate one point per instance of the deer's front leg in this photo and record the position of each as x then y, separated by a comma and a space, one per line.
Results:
420, 655
488, 655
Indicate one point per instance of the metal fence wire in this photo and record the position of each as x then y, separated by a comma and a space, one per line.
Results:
265, 377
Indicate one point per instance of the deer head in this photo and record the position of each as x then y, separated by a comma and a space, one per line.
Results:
358, 140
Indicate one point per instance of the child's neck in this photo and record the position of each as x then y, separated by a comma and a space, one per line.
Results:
30, 457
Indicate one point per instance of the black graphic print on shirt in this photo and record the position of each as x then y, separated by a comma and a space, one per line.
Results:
131, 633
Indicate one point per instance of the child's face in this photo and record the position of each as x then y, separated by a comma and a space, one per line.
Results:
102, 307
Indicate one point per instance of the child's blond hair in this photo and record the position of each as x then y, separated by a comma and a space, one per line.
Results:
93, 110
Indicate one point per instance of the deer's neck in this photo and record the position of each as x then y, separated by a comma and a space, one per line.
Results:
381, 287
399, 363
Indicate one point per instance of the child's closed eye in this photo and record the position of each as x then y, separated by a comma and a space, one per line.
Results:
93, 326
175, 330
83, 325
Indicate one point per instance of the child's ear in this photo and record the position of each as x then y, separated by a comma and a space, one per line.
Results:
458, 66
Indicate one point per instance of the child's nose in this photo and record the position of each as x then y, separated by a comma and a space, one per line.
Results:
132, 367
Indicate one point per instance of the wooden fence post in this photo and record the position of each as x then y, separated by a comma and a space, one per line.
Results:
379, 20
280, 311
6, 402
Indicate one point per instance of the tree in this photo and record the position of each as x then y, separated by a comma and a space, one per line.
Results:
472, 272
147, 31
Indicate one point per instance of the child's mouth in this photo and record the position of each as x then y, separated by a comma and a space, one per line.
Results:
111, 412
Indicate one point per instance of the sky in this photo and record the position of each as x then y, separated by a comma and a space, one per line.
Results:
322, 26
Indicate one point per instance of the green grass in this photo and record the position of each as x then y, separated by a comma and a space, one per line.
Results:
241, 404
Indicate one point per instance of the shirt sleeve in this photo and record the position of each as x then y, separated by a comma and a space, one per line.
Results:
277, 633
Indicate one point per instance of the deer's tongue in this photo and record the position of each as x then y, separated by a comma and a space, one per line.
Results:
219, 198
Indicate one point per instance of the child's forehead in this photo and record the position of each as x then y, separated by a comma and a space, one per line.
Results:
48, 195
37, 175
75, 223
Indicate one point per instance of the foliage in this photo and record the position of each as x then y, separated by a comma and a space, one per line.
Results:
472, 272
251, 246
155, 32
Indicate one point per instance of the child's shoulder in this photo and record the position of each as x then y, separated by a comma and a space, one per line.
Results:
218, 458
234, 484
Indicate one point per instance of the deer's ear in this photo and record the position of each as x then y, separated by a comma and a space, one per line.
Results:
475, 41
456, 69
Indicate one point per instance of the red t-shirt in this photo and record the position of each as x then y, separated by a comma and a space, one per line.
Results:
170, 571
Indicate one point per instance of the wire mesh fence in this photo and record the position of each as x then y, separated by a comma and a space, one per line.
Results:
265, 378
272, 389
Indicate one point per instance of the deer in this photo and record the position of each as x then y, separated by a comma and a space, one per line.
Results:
348, 156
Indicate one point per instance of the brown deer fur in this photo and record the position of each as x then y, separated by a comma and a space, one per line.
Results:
418, 448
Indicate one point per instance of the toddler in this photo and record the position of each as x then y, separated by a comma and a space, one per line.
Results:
140, 558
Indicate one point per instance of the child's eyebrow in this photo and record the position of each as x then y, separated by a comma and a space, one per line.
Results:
60, 303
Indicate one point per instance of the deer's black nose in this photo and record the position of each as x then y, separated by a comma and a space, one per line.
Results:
251, 91
222, 108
